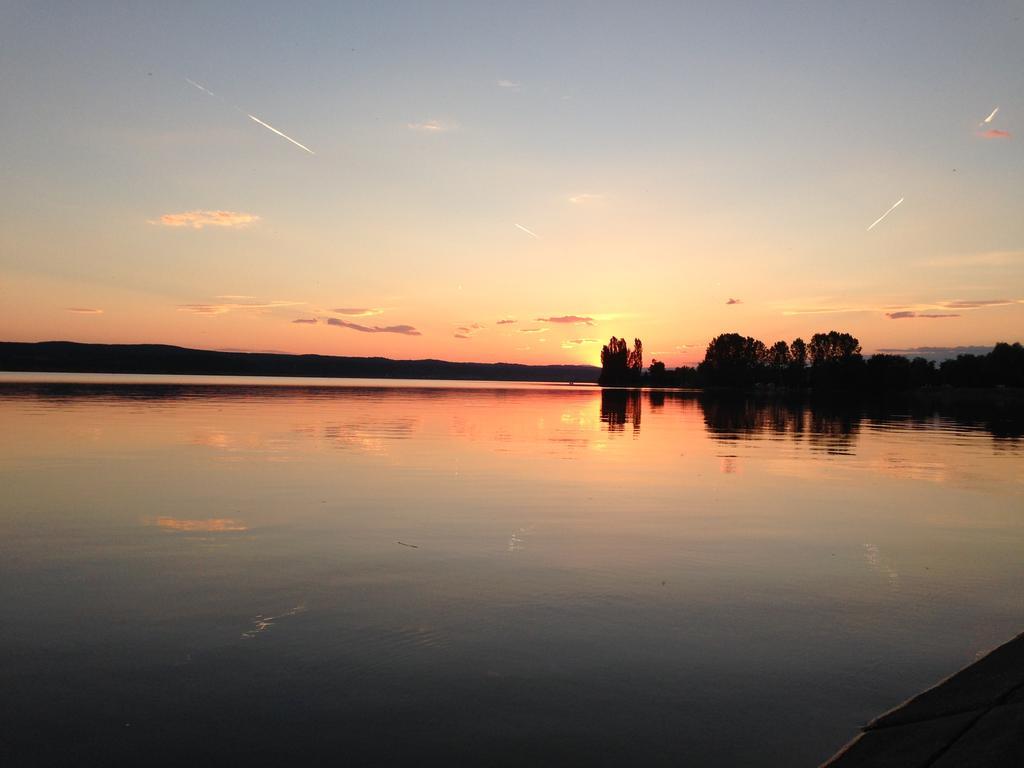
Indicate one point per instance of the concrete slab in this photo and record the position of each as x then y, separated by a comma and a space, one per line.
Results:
996, 740
904, 746
981, 685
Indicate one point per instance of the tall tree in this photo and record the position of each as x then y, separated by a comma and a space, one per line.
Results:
835, 360
733, 360
620, 365
833, 347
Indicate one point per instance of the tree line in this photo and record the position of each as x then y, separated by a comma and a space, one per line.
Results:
829, 361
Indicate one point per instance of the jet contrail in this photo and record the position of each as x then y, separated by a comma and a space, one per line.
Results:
282, 135
201, 88
531, 234
990, 117
885, 214
269, 127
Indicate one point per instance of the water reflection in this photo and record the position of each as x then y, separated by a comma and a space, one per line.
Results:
740, 578
620, 407
828, 424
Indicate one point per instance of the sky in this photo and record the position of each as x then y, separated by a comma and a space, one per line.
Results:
511, 181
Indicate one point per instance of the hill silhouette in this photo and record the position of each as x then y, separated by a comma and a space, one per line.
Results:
73, 357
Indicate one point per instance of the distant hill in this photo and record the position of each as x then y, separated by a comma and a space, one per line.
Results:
72, 357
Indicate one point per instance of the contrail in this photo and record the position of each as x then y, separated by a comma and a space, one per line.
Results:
201, 88
282, 135
531, 234
269, 127
990, 117
885, 214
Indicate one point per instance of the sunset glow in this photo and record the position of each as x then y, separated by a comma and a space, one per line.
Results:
473, 168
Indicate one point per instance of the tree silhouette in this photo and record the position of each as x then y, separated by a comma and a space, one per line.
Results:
833, 347
797, 363
835, 360
778, 360
657, 373
732, 360
620, 365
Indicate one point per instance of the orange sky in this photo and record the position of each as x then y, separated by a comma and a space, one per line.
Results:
511, 189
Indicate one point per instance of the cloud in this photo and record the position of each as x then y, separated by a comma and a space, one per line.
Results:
405, 330
85, 310
980, 304
984, 259
467, 331
825, 310
506, 322
566, 320
306, 321
994, 133
200, 219
225, 307
430, 126
212, 525
357, 311
585, 197
530, 232
511, 85
936, 353
907, 314
733, 301
582, 341
531, 330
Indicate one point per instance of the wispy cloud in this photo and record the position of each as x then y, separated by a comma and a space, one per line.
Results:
468, 331
431, 126
582, 341
585, 197
85, 310
977, 303
733, 301
200, 219
507, 321
531, 330
405, 330
510, 85
994, 133
936, 353
305, 320
567, 320
826, 310
531, 233
908, 314
223, 308
212, 525
357, 311
985, 259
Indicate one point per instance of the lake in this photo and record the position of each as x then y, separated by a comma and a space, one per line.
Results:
203, 570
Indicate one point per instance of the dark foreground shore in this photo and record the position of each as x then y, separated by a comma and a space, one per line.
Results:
974, 719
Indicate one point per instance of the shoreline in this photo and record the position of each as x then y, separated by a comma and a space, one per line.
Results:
974, 717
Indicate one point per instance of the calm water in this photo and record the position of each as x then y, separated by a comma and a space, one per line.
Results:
483, 574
